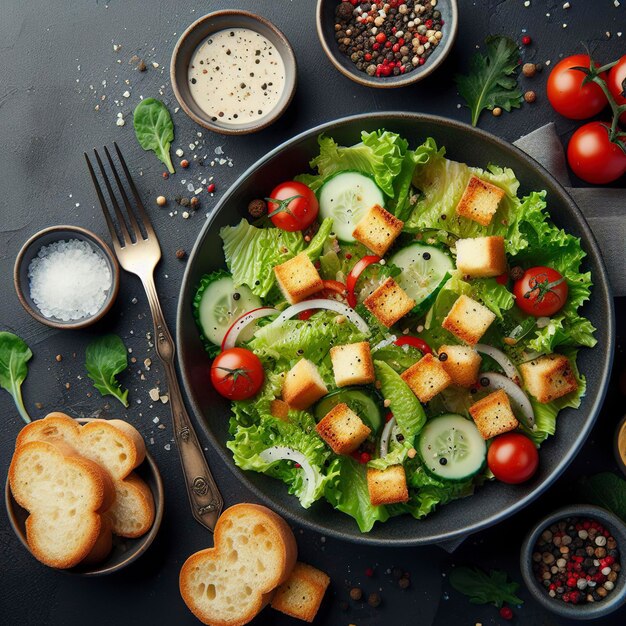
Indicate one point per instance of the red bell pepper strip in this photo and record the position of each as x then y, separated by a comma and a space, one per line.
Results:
416, 342
333, 286
354, 274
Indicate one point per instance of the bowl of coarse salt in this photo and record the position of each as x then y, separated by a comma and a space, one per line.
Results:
66, 277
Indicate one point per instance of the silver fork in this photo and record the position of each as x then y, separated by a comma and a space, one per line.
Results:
138, 252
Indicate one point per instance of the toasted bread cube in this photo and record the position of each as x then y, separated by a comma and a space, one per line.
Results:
426, 378
389, 302
298, 279
468, 320
352, 364
481, 257
377, 230
342, 429
462, 364
301, 595
479, 201
303, 385
493, 415
387, 486
279, 409
549, 377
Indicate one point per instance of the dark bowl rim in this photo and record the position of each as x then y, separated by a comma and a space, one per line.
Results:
580, 611
602, 290
389, 82
104, 248
145, 541
286, 52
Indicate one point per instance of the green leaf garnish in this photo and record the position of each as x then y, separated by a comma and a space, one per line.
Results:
106, 357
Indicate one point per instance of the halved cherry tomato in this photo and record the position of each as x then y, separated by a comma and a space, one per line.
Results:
617, 85
354, 274
237, 373
503, 279
541, 291
416, 342
292, 206
513, 458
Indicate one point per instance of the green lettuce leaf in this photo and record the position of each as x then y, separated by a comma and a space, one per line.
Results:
493, 295
252, 253
399, 358
315, 247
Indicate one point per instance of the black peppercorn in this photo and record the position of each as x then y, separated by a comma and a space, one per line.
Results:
356, 593
344, 11
257, 208
443, 356
516, 273
374, 599
404, 583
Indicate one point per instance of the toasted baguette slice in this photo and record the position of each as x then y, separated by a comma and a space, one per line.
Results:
255, 552
118, 448
301, 595
65, 495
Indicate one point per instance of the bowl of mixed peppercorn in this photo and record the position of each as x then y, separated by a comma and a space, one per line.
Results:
571, 562
387, 44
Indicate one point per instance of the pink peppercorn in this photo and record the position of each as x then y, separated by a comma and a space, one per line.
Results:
211, 188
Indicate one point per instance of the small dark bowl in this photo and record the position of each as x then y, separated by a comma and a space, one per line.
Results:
196, 34
29, 252
613, 601
619, 445
124, 551
326, 33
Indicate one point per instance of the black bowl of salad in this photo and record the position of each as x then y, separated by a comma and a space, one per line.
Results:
390, 338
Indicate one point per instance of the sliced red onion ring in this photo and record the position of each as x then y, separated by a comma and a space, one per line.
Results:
232, 334
385, 437
501, 359
322, 303
516, 393
283, 453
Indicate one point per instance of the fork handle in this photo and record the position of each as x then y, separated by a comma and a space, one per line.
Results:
204, 496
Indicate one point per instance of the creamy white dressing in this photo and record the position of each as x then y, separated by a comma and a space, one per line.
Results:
236, 76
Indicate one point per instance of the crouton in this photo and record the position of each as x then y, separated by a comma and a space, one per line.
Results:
301, 595
387, 486
303, 385
342, 429
479, 201
279, 409
493, 415
377, 230
468, 320
481, 257
352, 364
389, 303
461, 363
298, 279
549, 377
426, 378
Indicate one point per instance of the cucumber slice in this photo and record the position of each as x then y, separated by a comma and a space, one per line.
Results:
452, 448
217, 304
345, 198
363, 401
425, 269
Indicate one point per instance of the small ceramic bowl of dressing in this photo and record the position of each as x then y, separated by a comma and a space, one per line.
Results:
233, 72
66, 277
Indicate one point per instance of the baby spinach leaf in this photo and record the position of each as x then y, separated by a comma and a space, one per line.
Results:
14, 356
482, 588
154, 129
492, 79
106, 357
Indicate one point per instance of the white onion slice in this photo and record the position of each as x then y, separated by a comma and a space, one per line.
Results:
385, 437
516, 393
283, 453
322, 303
230, 338
501, 359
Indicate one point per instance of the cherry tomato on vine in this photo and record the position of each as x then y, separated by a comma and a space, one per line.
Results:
541, 291
594, 157
617, 85
292, 206
567, 94
513, 458
237, 374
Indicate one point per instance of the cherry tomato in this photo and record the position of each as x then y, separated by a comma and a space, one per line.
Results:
292, 206
354, 274
594, 157
513, 458
617, 85
237, 373
541, 291
567, 94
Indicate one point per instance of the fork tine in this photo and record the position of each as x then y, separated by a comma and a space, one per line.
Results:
107, 216
126, 238
129, 210
147, 224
